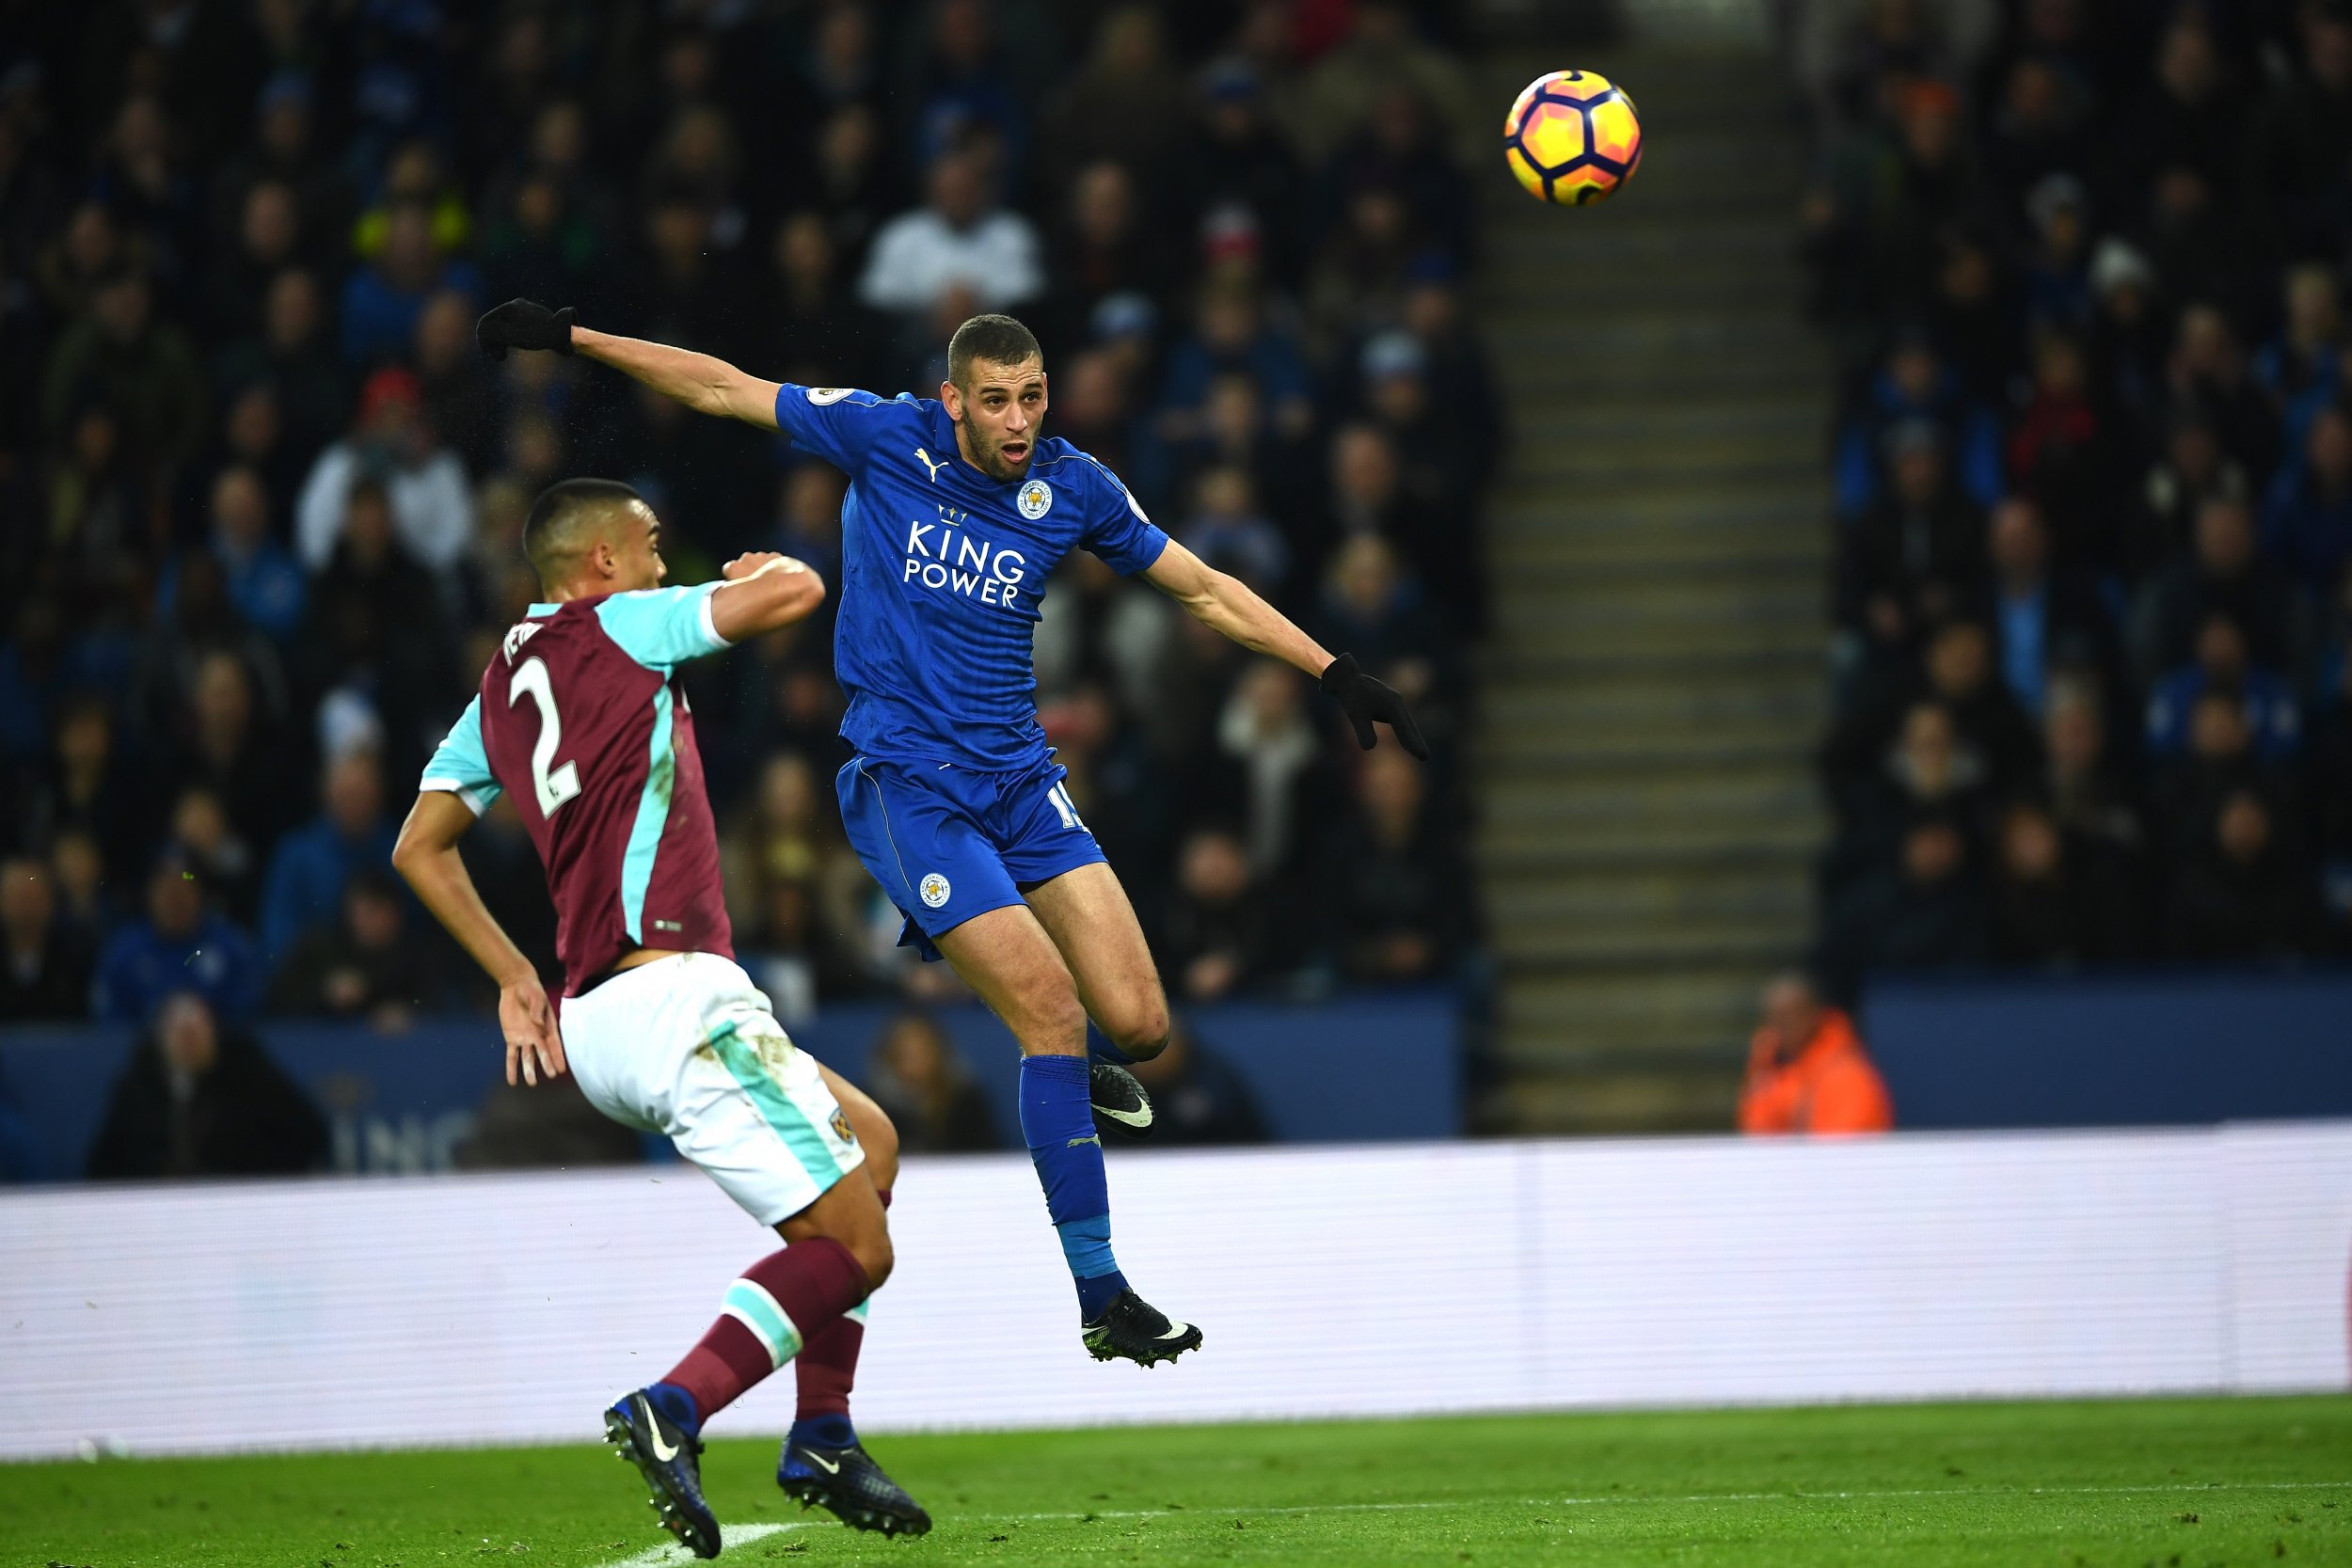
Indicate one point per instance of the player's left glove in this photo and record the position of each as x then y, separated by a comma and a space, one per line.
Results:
1364, 699
524, 324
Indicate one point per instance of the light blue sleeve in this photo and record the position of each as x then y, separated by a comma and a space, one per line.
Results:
839, 424
662, 628
460, 766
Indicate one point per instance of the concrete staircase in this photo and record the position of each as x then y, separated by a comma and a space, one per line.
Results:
1654, 681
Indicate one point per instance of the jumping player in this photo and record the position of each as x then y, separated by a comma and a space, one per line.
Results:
958, 512
581, 717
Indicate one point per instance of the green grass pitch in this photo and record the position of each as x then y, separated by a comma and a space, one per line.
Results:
2180, 1484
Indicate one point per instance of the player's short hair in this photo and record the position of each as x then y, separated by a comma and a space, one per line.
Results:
567, 519
999, 340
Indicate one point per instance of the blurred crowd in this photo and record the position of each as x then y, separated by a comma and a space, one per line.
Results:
260, 495
2084, 268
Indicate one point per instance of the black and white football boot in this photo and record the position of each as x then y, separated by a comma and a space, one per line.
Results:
668, 1456
1134, 1329
1119, 1098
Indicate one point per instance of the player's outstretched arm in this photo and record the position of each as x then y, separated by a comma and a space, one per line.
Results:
703, 384
762, 592
1228, 605
427, 856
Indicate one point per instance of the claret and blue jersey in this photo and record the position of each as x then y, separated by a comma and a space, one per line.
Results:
580, 718
954, 801
944, 570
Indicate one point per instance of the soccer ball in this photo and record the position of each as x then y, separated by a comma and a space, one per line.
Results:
1572, 137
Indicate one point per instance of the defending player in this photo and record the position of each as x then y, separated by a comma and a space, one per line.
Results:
958, 512
581, 716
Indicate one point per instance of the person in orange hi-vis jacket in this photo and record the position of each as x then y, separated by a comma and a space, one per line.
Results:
1807, 1072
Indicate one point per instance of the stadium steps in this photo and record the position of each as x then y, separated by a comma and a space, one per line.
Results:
1654, 686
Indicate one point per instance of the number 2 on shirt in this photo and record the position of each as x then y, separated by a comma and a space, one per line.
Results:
557, 785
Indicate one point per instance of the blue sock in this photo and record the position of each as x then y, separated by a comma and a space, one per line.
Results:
1058, 1124
676, 1407
1102, 1050
825, 1432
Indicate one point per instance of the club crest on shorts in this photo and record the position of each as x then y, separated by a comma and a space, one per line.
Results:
934, 889
841, 1126
1035, 500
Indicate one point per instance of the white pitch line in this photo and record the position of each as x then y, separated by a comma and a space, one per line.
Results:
735, 1535
730, 1535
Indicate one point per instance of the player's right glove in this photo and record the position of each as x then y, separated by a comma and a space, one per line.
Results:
1364, 699
524, 324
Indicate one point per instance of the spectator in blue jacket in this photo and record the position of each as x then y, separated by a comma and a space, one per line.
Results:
2308, 524
181, 945
311, 864
1917, 385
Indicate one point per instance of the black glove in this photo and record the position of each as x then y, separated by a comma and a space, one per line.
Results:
1363, 700
522, 323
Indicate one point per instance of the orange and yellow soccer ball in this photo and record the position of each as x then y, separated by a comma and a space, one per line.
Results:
1572, 137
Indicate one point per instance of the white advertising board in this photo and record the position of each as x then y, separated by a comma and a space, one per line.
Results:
1329, 1282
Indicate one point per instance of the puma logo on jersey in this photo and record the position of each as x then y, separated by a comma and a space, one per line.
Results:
927, 462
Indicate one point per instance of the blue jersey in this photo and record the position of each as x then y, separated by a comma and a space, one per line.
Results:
942, 572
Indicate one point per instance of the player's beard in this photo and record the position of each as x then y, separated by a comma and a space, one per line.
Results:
994, 463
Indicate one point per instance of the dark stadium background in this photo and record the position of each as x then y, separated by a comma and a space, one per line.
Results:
1906, 531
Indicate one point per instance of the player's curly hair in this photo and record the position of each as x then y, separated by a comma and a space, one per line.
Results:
563, 519
999, 340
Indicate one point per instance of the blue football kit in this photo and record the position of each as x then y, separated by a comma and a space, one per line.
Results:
953, 799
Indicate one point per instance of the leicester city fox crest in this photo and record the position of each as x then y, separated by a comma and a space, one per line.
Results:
1035, 500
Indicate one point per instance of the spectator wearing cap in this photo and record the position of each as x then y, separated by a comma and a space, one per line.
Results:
392, 444
143, 370
199, 1097
381, 301
1808, 1074
1907, 559
178, 945
2129, 332
958, 238
1913, 384
2057, 267
1440, 462
314, 862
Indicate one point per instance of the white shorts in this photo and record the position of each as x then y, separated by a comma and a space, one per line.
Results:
687, 1047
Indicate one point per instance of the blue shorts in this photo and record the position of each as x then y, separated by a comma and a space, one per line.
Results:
947, 843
